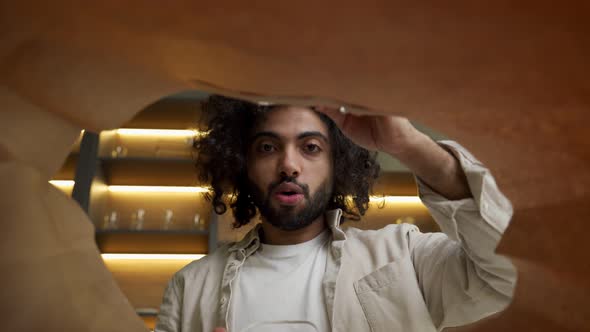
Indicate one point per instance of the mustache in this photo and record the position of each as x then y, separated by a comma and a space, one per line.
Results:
289, 179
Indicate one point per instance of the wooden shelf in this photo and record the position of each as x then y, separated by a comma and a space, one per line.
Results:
149, 171
153, 242
142, 159
395, 184
151, 231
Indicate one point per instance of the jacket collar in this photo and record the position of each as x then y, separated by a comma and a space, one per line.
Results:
251, 242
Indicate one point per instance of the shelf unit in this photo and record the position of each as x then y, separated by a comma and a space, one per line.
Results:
150, 157
97, 167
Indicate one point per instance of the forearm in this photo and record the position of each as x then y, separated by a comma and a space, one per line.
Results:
462, 267
434, 165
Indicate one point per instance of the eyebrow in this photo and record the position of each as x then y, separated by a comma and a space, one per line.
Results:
303, 135
313, 134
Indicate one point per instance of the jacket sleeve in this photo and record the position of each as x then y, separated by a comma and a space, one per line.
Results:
169, 317
460, 276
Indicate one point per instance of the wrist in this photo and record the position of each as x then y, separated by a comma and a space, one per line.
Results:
408, 145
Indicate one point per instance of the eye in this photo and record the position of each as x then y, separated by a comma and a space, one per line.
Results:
312, 148
266, 147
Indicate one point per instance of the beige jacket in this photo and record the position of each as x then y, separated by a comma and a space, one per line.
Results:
392, 279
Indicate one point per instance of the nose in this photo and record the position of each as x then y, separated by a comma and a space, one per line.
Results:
289, 164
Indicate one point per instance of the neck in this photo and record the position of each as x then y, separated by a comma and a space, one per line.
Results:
277, 236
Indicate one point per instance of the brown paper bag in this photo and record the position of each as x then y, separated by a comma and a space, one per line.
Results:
508, 80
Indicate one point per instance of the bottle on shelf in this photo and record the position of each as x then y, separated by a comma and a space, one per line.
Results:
119, 151
167, 219
138, 220
198, 223
111, 221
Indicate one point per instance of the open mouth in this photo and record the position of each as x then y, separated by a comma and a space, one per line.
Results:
288, 193
290, 198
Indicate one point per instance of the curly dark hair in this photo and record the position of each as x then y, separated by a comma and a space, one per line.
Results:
221, 160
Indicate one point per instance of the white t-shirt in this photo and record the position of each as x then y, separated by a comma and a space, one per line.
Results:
279, 288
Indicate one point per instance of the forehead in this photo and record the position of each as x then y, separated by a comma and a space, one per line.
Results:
289, 121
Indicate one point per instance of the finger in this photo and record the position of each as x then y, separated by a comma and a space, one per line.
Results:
333, 114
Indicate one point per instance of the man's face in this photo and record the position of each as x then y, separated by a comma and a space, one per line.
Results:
290, 167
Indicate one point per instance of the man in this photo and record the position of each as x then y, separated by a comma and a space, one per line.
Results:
306, 170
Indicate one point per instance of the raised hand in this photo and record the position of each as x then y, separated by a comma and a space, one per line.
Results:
399, 138
386, 133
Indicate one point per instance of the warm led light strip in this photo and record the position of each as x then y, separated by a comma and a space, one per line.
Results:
157, 132
157, 189
396, 199
62, 183
152, 256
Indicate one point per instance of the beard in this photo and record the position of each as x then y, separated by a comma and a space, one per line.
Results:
291, 218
